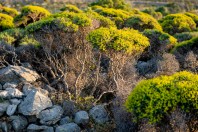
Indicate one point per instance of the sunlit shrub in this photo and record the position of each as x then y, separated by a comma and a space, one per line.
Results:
6, 22
177, 23
71, 8
142, 22
155, 98
127, 40
152, 12
30, 14
193, 16
9, 11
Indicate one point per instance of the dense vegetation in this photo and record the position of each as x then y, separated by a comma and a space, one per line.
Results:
113, 54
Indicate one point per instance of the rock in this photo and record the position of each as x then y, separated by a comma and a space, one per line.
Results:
28, 88
4, 127
1, 87
10, 85
26, 65
3, 107
36, 128
11, 93
18, 123
70, 127
49, 88
99, 114
32, 119
15, 101
34, 103
69, 108
51, 115
17, 74
65, 120
81, 117
11, 109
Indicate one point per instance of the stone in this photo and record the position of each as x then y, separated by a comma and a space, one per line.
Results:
28, 88
11, 93
49, 88
4, 126
10, 85
65, 120
34, 103
81, 117
17, 74
99, 114
15, 101
18, 123
37, 128
1, 87
69, 108
3, 107
11, 109
51, 115
70, 127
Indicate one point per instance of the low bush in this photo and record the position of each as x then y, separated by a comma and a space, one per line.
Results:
30, 14
71, 8
177, 23
9, 11
152, 12
6, 22
153, 99
193, 16
126, 40
185, 36
142, 22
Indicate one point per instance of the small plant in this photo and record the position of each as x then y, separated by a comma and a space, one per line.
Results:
193, 16
71, 8
177, 23
30, 14
142, 21
155, 98
127, 40
6, 22
9, 11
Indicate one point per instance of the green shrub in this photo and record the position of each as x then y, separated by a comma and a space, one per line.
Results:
153, 99
152, 12
117, 4
71, 8
30, 14
163, 10
185, 36
186, 45
142, 22
177, 23
10, 36
126, 40
9, 11
6, 22
67, 21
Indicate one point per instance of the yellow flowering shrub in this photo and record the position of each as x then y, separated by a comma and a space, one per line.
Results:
154, 98
177, 23
6, 22
9, 11
142, 21
30, 14
193, 16
126, 40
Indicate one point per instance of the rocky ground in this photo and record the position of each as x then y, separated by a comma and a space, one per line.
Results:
25, 107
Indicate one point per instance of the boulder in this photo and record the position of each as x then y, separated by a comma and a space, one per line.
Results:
17, 74
4, 126
15, 101
36, 128
3, 107
69, 108
65, 120
81, 117
70, 127
34, 103
99, 114
51, 115
11, 93
18, 123
11, 109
